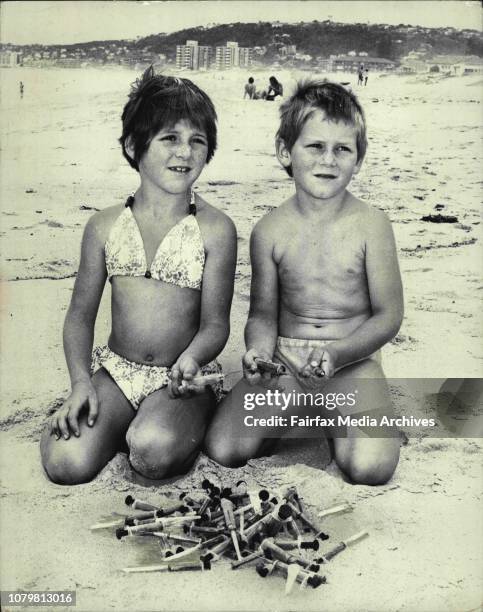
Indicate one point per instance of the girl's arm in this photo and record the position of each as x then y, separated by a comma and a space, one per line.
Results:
79, 332
216, 296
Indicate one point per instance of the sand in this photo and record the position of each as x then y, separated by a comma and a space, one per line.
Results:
60, 160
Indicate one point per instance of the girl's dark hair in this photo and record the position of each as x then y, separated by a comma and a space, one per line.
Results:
158, 101
338, 104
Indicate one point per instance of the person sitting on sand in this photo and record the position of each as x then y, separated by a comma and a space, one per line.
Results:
170, 258
251, 90
326, 291
275, 89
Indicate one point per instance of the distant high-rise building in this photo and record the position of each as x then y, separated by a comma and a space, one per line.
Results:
222, 58
246, 54
184, 56
235, 52
232, 55
192, 57
226, 56
204, 57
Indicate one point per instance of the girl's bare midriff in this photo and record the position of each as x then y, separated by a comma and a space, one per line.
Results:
168, 321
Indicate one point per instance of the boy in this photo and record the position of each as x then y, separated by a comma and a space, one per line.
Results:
326, 292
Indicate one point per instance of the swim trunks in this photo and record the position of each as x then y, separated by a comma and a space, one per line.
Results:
138, 380
179, 259
294, 353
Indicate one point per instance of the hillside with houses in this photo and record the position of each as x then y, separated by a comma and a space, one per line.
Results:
319, 45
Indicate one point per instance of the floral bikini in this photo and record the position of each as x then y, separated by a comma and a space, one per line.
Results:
179, 260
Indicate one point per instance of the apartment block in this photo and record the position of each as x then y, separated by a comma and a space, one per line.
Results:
246, 57
191, 56
232, 56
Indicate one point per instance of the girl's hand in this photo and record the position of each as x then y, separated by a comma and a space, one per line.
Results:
183, 371
252, 374
66, 419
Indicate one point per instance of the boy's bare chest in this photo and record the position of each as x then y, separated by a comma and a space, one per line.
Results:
328, 251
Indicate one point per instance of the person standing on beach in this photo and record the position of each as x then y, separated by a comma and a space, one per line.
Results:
360, 74
366, 76
326, 295
21, 89
170, 258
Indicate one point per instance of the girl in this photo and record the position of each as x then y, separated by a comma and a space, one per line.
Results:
170, 258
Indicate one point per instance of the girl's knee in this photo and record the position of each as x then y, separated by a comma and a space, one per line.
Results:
66, 468
157, 455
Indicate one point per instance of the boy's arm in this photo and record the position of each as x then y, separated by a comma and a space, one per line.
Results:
386, 297
216, 298
261, 330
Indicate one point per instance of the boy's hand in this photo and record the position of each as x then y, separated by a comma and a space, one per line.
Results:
183, 371
252, 374
66, 419
320, 364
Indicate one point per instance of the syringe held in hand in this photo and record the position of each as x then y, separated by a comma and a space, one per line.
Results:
203, 381
275, 369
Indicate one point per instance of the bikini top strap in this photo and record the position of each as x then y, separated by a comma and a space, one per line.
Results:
192, 204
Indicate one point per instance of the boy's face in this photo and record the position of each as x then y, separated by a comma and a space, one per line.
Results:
324, 156
175, 157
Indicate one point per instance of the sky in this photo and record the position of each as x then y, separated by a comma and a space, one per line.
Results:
64, 22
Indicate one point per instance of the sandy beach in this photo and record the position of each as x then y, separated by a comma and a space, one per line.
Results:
60, 161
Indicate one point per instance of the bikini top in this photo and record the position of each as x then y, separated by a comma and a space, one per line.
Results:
180, 257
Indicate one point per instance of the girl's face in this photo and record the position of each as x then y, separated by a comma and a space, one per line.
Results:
175, 157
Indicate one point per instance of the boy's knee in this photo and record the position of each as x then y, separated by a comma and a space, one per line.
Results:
155, 454
224, 453
370, 470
